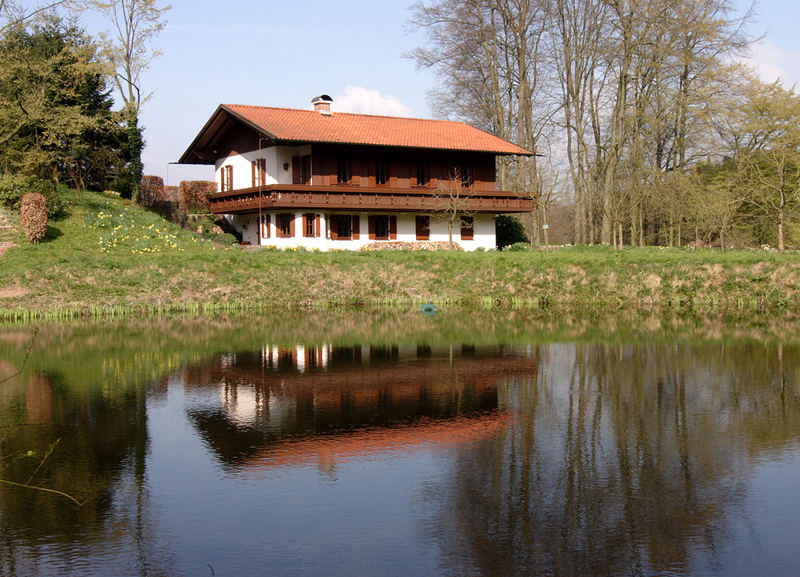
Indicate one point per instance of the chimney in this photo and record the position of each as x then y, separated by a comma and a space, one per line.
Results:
322, 104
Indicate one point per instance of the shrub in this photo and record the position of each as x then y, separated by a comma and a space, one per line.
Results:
193, 195
152, 190
509, 231
13, 187
33, 213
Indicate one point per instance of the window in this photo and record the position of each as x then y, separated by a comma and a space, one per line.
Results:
310, 225
285, 225
265, 222
382, 227
259, 172
423, 227
466, 175
381, 172
226, 174
342, 226
423, 174
467, 228
301, 169
344, 171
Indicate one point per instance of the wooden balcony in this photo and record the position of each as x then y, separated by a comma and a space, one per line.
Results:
298, 197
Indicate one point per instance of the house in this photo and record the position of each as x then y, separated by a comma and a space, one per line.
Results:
327, 180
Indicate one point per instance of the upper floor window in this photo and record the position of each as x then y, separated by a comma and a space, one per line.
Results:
423, 174
381, 171
301, 169
466, 174
259, 172
344, 171
227, 178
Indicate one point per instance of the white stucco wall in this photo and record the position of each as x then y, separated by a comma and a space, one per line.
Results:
277, 157
483, 226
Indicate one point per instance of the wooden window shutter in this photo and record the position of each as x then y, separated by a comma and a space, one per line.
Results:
316, 225
305, 225
423, 227
467, 228
392, 227
356, 226
291, 226
371, 220
333, 223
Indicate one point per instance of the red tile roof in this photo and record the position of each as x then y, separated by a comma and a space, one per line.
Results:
285, 124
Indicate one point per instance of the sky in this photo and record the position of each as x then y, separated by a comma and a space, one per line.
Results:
285, 53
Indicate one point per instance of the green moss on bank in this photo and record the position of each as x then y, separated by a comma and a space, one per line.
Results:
110, 258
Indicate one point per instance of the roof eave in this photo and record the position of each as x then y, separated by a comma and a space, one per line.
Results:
194, 155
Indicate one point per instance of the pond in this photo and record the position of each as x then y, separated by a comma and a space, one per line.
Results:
325, 443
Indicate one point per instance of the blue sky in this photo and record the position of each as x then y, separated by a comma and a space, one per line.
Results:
285, 53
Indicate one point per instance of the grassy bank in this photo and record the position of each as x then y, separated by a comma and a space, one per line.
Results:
110, 258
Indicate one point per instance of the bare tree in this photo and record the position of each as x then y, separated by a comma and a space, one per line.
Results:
452, 202
129, 53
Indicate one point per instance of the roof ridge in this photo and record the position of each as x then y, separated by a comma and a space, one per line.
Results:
309, 110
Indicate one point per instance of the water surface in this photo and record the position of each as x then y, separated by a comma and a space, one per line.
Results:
397, 446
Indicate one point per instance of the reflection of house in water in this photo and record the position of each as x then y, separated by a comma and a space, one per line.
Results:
358, 396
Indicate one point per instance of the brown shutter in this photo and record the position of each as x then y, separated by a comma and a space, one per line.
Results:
305, 224
371, 220
333, 223
316, 225
291, 225
356, 226
392, 227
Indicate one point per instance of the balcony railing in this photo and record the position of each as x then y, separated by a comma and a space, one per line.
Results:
361, 199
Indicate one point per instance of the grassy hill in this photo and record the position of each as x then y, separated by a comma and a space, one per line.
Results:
110, 257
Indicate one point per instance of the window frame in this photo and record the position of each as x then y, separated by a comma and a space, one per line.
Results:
281, 220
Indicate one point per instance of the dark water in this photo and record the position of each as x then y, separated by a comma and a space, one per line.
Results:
233, 448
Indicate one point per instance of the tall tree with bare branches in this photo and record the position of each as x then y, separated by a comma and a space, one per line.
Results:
128, 50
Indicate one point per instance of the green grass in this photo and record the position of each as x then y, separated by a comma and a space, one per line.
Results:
110, 258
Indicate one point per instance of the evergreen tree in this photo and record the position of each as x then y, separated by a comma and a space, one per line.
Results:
55, 110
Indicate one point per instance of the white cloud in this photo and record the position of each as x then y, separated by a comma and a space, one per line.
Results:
364, 101
772, 62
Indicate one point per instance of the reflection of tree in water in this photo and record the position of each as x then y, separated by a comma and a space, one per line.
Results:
624, 460
99, 459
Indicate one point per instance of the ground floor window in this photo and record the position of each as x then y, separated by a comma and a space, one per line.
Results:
423, 227
382, 227
467, 228
265, 222
344, 226
285, 225
310, 225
